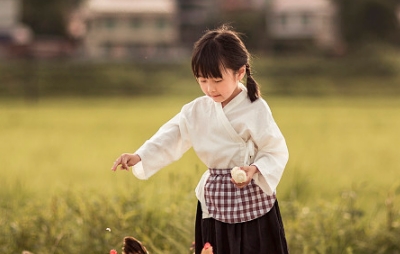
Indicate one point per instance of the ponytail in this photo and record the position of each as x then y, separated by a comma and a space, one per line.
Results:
253, 89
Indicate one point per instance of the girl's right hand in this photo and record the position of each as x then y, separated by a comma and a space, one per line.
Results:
250, 171
126, 160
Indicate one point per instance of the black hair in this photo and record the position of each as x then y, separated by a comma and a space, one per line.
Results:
223, 48
133, 246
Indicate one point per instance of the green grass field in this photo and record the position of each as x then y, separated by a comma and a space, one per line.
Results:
340, 189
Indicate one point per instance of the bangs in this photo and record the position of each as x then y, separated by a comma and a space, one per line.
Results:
207, 61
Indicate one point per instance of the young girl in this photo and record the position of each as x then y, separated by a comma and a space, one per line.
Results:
228, 127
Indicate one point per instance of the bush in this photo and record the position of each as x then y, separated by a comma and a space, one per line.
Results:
77, 223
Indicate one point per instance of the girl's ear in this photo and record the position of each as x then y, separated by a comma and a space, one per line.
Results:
241, 72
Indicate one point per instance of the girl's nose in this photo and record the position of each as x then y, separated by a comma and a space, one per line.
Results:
211, 88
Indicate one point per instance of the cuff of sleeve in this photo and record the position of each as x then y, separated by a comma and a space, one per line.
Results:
138, 171
261, 181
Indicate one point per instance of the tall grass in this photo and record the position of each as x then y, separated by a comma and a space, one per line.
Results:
339, 193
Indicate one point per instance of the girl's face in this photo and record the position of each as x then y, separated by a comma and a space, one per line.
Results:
223, 89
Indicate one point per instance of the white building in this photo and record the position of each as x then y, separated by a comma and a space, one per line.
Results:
312, 22
127, 28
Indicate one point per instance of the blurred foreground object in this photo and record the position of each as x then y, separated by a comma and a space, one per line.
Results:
14, 36
133, 246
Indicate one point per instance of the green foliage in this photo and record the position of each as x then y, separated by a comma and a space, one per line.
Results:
77, 223
47, 17
340, 226
35, 79
369, 70
250, 24
363, 21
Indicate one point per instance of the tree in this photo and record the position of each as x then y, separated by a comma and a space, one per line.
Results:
369, 20
47, 17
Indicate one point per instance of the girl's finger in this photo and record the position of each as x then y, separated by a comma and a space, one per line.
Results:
116, 163
124, 161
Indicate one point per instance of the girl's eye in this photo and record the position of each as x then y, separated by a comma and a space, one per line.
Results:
218, 81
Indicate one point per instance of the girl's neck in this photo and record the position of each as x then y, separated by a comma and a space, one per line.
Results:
237, 91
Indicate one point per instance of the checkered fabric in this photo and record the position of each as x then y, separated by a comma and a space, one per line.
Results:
230, 204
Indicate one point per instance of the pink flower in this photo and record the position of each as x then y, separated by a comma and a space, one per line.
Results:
207, 249
113, 252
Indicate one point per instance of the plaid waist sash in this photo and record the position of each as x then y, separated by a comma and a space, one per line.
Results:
228, 203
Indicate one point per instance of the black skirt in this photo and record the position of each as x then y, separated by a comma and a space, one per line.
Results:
264, 235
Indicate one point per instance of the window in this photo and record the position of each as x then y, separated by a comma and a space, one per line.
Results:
109, 23
283, 18
162, 23
89, 25
306, 19
107, 47
136, 22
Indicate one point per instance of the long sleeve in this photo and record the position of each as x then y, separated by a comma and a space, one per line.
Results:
168, 144
272, 154
271, 160
219, 137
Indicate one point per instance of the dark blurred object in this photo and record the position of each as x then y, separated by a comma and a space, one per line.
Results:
34, 29
47, 17
133, 246
365, 21
50, 47
195, 16
14, 35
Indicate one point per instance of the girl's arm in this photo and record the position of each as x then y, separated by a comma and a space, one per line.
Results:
272, 152
167, 145
271, 158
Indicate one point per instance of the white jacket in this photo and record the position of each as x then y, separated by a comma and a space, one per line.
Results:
241, 133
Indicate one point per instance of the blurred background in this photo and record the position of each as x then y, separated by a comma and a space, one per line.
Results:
328, 39
83, 81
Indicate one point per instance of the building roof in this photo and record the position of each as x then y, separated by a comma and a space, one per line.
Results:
300, 5
238, 5
131, 6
